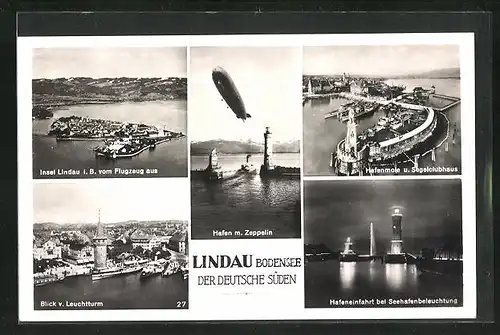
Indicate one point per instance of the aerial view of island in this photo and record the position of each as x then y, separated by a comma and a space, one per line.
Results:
116, 121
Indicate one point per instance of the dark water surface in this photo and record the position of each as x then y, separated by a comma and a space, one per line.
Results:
119, 292
373, 280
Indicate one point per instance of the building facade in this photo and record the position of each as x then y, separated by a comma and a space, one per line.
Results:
48, 249
79, 254
178, 243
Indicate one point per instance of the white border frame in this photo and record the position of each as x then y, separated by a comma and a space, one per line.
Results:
290, 312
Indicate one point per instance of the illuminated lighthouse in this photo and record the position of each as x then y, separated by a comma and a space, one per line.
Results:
397, 234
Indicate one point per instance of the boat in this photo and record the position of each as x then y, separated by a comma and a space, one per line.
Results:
360, 110
248, 167
348, 257
47, 279
151, 269
185, 273
172, 268
115, 271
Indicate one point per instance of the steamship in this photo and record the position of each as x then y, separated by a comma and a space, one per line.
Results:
115, 271
152, 268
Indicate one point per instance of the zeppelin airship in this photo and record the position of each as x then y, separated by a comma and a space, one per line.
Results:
229, 92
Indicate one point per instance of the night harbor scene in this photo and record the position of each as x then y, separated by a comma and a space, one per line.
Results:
384, 243
109, 112
245, 142
381, 110
90, 252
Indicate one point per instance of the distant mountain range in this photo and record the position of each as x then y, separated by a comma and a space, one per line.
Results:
432, 74
239, 147
78, 90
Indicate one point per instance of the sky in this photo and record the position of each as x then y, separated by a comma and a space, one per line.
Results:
134, 62
118, 200
337, 210
377, 60
269, 81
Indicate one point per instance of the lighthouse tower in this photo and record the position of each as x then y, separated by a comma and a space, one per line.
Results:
100, 252
351, 140
268, 150
397, 233
213, 161
348, 246
309, 88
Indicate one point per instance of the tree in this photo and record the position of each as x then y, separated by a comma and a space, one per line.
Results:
137, 250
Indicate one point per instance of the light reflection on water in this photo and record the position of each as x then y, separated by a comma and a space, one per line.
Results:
395, 275
332, 279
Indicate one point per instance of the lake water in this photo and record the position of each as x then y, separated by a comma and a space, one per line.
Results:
331, 279
119, 292
169, 159
322, 136
246, 202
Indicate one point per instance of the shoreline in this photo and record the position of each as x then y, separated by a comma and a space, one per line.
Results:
242, 153
63, 105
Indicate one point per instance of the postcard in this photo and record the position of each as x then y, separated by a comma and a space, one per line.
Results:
256, 177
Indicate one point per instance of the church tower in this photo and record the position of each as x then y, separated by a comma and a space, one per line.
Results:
100, 251
351, 141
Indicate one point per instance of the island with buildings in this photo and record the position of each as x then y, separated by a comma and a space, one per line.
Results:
120, 139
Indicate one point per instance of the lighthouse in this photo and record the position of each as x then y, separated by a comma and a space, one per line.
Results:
351, 140
100, 251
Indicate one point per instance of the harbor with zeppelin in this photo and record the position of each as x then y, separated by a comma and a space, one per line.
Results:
376, 126
366, 269
122, 265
